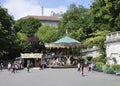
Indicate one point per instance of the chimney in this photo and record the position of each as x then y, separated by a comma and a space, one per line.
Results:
42, 10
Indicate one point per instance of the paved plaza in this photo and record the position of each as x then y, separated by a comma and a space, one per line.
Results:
57, 77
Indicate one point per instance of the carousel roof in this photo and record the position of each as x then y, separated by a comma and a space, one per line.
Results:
67, 39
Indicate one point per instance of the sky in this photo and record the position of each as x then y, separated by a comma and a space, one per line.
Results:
21, 8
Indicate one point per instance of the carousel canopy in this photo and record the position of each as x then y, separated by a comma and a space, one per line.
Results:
64, 42
66, 39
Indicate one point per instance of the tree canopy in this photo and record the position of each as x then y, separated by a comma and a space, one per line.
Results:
105, 15
28, 26
22, 43
6, 19
6, 31
76, 22
47, 33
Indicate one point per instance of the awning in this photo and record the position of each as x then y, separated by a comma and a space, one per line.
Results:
31, 55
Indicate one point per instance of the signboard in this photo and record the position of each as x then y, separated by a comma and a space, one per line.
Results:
31, 55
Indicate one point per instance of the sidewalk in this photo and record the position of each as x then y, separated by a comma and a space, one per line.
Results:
57, 77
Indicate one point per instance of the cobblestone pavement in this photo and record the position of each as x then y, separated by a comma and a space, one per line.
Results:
57, 77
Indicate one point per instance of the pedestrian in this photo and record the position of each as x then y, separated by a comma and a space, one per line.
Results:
78, 66
28, 66
89, 67
9, 66
43, 64
13, 67
1, 67
93, 66
82, 64
40, 65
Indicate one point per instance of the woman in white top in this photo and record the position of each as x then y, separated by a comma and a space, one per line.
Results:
9, 66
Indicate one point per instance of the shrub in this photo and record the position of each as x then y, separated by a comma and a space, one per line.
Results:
89, 58
116, 67
100, 59
99, 66
107, 69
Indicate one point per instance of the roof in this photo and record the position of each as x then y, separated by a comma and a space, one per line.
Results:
67, 39
43, 18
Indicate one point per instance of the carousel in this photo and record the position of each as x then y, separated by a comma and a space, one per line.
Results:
63, 52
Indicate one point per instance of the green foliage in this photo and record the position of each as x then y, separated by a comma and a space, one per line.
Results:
79, 34
97, 38
111, 68
26, 41
27, 26
6, 19
99, 59
89, 58
108, 70
6, 32
28, 44
99, 64
36, 45
22, 36
76, 22
116, 67
47, 33
2, 36
104, 14
22, 43
117, 22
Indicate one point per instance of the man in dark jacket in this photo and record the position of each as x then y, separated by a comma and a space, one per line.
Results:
82, 64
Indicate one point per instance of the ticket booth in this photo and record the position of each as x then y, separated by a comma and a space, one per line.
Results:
34, 58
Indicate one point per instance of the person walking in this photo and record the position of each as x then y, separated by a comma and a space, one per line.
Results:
28, 66
9, 66
1, 66
78, 66
13, 67
82, 64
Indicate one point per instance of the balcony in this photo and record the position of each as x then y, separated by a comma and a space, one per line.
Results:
112, 37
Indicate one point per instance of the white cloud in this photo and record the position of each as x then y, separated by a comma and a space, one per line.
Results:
21, 8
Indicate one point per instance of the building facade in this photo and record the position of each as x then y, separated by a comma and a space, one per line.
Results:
46, 20
93, 51
112, 44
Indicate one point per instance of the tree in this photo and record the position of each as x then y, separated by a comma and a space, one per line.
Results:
75, 21
6, 19
97, 38
105, 15
35, 44
47, 34
22, 43
2, 39
6, 32
28, 26
79, 35
2, 36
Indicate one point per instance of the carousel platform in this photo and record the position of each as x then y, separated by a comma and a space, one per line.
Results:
59, 66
